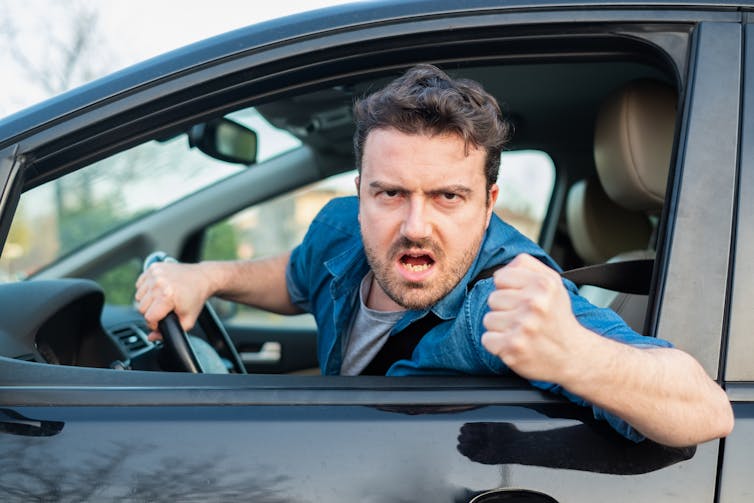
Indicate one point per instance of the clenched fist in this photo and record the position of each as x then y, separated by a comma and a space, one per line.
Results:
531, 326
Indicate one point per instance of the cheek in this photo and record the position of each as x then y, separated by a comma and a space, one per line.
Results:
460, 235
462, 224
375, 227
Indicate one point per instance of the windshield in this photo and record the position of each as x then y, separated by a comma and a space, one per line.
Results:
59, 217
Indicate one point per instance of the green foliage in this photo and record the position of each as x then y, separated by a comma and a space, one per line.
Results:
221, 242
118, 283
85, 210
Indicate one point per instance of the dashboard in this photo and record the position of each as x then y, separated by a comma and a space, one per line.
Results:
60, 322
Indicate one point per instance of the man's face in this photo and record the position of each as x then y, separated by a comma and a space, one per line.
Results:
423, 211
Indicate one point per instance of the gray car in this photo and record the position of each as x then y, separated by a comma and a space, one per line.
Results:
633, 144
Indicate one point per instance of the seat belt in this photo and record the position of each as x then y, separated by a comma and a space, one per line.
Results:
629, 276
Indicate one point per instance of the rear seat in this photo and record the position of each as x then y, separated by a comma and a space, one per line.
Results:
609, 218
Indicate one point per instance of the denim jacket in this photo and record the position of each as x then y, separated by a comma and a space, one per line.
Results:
454, 346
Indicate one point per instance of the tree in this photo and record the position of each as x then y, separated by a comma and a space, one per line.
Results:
57, 51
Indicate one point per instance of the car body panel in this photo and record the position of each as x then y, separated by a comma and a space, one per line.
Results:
315, 453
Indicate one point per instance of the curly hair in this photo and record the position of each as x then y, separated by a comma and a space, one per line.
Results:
425, 100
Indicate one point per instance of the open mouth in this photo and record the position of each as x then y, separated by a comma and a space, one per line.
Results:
416, 262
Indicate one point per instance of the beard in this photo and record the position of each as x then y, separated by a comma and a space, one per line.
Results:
424, 294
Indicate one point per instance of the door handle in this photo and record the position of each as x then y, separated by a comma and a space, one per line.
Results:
270, 352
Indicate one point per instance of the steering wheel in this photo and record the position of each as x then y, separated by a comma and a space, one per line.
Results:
177, 349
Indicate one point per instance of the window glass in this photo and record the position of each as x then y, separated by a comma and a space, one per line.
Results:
526, 183
59, 217
526, 180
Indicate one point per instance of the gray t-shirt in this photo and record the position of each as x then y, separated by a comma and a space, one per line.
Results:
367, 334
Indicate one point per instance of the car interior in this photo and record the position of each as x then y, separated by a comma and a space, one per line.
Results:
603, 113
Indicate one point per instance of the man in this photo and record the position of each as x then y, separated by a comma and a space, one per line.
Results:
406, 253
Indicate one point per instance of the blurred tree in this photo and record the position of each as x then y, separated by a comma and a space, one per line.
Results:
118, 282
56, 52
53, 53
59, 50
221, 242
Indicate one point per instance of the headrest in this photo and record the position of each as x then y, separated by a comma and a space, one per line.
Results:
601, 229
633, 141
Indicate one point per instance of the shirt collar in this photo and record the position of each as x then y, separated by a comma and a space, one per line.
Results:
348, 269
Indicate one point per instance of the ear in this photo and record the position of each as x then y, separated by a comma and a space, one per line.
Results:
357, 181
491, 200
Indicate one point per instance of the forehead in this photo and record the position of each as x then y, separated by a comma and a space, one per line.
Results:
389, 152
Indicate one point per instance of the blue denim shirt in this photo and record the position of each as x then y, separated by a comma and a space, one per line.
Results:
454, 346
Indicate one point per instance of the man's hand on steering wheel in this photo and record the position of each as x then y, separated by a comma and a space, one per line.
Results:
172, 297
165, 286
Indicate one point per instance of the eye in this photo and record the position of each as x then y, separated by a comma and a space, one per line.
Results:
449, 196
389, 195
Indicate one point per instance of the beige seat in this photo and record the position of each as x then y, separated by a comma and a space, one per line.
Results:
609, 218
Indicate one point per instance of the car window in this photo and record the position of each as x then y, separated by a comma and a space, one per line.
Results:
85, 205
526, 183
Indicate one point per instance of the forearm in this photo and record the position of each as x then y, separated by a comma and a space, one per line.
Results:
258, 283
663, 393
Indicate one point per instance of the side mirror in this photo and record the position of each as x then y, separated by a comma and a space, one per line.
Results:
225, 140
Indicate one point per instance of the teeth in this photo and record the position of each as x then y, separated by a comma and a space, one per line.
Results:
416, 268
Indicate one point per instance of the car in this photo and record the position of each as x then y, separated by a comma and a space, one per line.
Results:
227, 148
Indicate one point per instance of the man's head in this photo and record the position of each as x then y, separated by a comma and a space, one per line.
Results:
428, 149
426, 101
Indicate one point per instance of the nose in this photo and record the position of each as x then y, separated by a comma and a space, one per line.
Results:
416, 225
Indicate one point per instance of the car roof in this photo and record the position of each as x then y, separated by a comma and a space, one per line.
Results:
234, 43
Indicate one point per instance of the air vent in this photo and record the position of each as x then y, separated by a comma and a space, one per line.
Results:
131, 337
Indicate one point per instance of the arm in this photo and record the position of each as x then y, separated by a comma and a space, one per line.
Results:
184, 288
663, 393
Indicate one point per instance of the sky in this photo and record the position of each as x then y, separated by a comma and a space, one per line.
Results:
127, 31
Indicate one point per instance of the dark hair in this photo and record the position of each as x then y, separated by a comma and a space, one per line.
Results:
425, 100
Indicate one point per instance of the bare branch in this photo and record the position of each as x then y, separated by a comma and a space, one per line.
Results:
69, 38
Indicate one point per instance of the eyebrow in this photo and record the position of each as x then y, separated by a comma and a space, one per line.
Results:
456, 188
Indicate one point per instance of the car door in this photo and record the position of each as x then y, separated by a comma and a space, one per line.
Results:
101, 434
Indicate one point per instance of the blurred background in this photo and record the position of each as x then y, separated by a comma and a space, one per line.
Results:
49, 46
